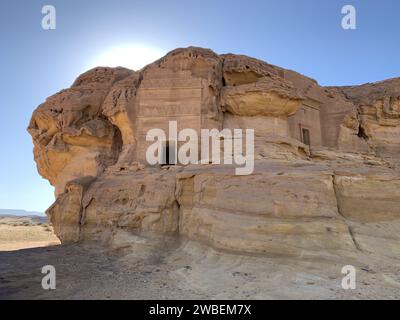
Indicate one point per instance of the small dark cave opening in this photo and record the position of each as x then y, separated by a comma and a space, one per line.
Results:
117, 142
361, 133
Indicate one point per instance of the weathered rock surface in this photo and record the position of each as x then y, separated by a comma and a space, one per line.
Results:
326, 178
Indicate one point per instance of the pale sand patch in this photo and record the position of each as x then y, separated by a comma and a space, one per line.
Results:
23, 237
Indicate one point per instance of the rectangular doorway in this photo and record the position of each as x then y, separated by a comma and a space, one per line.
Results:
305, 136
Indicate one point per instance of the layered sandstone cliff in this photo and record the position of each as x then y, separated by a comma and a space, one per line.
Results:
326, 177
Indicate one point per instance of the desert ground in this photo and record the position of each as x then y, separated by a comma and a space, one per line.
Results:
25, 232
178, 269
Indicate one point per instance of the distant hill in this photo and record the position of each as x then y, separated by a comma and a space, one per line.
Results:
22, 220
20, 213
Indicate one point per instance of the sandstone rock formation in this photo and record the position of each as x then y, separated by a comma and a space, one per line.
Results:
326, 178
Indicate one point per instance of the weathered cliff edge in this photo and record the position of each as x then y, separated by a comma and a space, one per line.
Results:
338, 195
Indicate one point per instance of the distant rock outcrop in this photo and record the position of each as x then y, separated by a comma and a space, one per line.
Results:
327, 159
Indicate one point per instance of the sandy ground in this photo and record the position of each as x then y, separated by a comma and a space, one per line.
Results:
187, 270
25, 232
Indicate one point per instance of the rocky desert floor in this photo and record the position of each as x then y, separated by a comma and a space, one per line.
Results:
179, 269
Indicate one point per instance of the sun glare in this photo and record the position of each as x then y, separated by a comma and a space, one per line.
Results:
129, 56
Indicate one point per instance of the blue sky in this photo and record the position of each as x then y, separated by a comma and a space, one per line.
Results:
303, 35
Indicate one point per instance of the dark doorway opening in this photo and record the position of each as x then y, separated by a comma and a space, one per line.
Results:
306, 136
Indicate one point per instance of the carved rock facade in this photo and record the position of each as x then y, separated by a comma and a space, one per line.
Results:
326, 175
